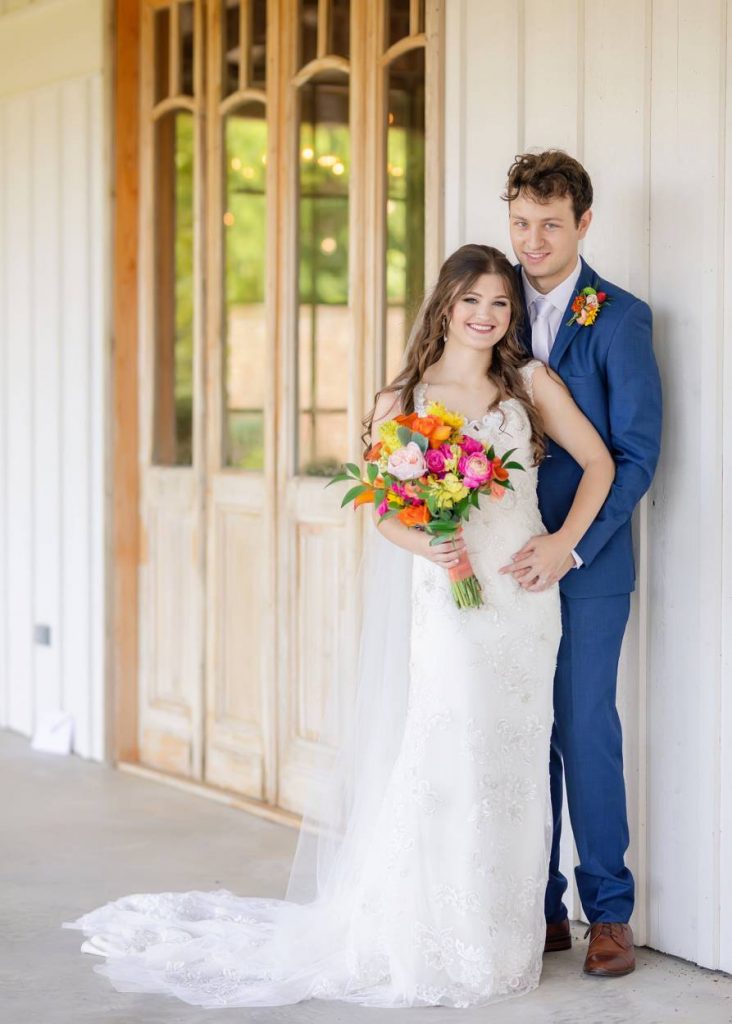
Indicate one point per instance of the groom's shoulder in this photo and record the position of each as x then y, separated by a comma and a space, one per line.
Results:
620, 299
623, 308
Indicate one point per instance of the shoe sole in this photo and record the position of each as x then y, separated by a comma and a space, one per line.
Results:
599, 973
558, 945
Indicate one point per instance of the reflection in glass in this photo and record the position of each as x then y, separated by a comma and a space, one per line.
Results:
186, 48
308, 22
405, 201
397, 23
258, 57
340, 28
162, 53
254, 37
174, 289
324, 337
230, 45
244, 227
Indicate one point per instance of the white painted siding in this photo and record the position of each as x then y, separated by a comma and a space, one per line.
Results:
53, 341
641, 93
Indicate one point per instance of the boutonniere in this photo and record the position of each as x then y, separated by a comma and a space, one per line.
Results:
587, 305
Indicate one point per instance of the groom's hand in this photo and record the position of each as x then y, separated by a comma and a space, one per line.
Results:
540, 563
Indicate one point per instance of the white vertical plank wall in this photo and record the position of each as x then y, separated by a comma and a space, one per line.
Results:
640, 91
53, 339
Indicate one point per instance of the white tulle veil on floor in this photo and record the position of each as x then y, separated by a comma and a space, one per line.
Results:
221, 949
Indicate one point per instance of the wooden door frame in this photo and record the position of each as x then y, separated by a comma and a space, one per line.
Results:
125, 428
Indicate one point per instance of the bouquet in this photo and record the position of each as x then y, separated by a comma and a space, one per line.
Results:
429, 474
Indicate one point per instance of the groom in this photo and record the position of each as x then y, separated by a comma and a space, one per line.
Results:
606, 360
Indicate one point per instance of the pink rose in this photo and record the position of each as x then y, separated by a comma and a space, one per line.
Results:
476, 469
407, 463
383, 507
435, 459
471, 447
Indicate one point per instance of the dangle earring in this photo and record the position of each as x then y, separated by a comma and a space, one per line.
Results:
445, 329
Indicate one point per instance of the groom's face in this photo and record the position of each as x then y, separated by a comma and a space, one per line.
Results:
545, 237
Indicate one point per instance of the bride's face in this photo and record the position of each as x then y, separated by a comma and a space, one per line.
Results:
480, 316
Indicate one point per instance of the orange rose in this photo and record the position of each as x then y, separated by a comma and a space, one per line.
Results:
364, 498
439, 435
499, 473
407, 421
425, 424
414, 515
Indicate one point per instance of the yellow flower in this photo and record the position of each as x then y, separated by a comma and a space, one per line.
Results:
590, 315
450, 419
447, 491
388, 434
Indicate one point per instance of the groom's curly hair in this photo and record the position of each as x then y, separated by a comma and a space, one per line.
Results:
550, 175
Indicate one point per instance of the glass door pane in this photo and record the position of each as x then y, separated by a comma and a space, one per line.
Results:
245, 263
324, 321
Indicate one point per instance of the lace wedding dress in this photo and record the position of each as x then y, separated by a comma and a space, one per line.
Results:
428, 882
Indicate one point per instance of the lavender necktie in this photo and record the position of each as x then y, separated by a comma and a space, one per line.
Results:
541, 334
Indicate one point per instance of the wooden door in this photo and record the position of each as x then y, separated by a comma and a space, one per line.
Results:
172, 466
309, 243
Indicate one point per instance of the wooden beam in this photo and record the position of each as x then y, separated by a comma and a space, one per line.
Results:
123, 660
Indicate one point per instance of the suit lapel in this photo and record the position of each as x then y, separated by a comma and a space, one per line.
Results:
567, 332
525, 329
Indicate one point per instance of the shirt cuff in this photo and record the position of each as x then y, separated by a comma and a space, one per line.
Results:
578, 563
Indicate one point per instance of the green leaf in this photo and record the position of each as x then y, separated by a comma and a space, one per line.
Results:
404, 434
512, 465
372, 471
338, 479
353, 493
353, 470
390, 514
421, 440
507, 455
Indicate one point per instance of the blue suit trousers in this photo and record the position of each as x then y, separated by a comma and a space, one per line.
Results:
587, 750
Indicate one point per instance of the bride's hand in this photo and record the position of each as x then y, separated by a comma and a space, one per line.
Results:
447, 554
541, 562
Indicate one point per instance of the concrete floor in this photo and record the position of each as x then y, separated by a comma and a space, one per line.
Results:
75, 835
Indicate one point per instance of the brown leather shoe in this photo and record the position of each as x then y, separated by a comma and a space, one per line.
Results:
611, 953
558, 936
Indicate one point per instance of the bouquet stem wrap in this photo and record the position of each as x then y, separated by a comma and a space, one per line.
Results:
466, 587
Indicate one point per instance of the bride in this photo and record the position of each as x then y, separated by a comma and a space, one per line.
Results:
421, 869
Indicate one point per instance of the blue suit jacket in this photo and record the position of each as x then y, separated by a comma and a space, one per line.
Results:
612, 374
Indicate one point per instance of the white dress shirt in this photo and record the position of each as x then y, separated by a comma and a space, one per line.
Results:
557, 300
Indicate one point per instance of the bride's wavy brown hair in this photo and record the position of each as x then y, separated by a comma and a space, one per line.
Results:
426, 342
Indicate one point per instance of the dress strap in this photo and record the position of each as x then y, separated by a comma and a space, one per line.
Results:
527, 372
420, 394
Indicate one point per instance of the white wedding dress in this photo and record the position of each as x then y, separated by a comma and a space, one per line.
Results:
430, 875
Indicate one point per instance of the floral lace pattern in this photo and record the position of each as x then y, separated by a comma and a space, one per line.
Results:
445, 905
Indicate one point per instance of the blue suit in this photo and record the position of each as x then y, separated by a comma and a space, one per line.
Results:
612, 374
